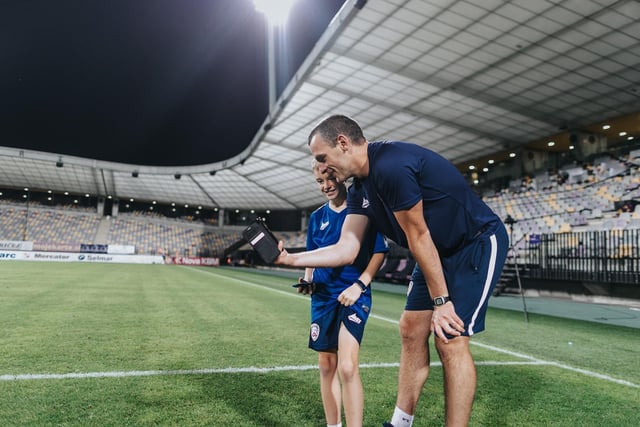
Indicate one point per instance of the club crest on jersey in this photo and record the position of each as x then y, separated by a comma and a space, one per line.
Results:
324, 225
315, 331
365, 203
354, 318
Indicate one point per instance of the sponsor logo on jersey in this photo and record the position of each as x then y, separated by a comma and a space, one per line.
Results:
354, 318
315, 331
324, 225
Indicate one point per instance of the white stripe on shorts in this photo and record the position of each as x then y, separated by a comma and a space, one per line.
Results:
487, 283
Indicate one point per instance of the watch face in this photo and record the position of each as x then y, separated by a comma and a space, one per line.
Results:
438, 301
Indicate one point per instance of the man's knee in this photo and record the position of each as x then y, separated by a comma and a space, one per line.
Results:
456, 349
415, 325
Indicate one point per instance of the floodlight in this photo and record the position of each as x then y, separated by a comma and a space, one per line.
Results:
276, 12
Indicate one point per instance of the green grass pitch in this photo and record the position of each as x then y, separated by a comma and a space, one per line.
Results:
131, 345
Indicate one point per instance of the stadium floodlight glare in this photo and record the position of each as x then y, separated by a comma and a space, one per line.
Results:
276, 12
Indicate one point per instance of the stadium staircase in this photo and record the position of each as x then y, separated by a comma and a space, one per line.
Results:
508, 278
102, 233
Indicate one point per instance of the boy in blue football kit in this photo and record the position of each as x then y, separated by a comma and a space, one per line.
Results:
340, 305
417, 198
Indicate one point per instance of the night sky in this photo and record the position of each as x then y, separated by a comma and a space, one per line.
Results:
148, 82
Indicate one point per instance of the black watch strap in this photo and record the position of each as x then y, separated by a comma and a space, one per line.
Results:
441, 300
360, 283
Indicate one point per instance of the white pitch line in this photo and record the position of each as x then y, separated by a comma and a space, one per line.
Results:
559, 365
119, 374
487, 346
209, 371
533, 361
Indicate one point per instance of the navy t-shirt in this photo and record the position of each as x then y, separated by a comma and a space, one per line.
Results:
324, 229
400, 175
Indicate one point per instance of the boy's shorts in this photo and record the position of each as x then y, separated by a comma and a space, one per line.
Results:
327, 315
471, 275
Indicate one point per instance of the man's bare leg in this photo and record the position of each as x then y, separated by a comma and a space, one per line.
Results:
414, 358
459, 380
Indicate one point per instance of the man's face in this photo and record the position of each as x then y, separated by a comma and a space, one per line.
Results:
331, 160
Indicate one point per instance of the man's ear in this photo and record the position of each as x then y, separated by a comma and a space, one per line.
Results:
343, 142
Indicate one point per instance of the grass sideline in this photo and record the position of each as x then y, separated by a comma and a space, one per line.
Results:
130, 345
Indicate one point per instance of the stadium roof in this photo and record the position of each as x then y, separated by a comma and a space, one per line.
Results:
470, 80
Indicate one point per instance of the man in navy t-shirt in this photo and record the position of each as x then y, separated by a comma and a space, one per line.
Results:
418, 199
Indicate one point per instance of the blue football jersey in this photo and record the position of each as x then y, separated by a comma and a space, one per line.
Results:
400, 175
324, 229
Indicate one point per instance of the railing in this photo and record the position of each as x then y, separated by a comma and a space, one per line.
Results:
611, 256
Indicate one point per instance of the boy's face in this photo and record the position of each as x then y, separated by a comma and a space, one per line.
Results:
328, 184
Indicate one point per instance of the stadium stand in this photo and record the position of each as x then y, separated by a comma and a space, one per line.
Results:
402, 273
583, 229
587, 217
390, 264
152, 235
12, 222
46, 225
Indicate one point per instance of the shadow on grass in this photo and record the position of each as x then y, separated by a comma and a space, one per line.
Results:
515, 392
267, 399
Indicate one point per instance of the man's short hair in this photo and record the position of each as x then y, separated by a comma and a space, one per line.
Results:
332, 126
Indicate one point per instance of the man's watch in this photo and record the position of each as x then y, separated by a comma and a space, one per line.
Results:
442, 300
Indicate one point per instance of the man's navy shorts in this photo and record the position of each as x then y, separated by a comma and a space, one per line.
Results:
471, 275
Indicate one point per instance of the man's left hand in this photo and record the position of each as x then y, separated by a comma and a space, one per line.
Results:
445, 321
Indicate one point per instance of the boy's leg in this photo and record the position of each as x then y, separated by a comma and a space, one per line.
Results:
330, 386
349, 370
